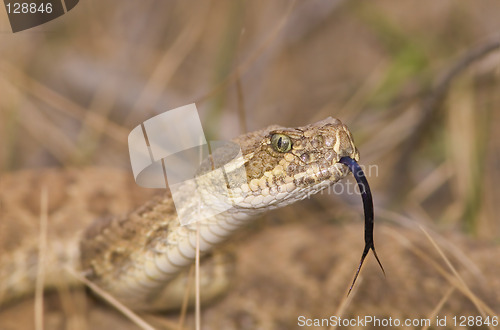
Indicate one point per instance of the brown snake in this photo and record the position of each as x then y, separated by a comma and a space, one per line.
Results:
137, 257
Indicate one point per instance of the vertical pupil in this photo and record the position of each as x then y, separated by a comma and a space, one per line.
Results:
280, 143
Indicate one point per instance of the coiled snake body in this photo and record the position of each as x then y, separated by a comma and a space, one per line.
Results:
137, 257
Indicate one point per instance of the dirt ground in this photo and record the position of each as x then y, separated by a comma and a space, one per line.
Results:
288, 270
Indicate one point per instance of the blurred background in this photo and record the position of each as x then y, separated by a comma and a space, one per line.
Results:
418, 86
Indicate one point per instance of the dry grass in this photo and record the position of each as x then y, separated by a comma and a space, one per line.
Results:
114, 302
71, 90
42, 250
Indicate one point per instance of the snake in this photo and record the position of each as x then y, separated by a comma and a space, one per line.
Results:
140, 258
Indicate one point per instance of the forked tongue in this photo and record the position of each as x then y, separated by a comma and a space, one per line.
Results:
366, 194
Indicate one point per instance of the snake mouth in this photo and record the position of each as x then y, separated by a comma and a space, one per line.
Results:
366, 195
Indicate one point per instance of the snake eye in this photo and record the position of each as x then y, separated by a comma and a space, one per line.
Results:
281, 142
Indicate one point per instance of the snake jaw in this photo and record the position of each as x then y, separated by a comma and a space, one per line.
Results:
366, 195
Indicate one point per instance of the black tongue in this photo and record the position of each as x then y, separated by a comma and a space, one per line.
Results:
366, 195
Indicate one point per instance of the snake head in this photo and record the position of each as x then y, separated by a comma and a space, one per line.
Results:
292, 163
308, 154
287, 164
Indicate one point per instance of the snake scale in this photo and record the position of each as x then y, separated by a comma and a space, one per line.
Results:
137, 257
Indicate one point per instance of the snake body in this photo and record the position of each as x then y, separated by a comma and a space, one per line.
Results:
137, 257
